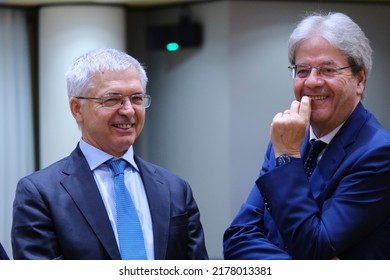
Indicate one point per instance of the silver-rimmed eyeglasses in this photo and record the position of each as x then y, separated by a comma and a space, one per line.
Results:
115, 101
303, 71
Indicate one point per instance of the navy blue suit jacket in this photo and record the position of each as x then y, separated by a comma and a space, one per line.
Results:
343, 211
3, 254
59, 214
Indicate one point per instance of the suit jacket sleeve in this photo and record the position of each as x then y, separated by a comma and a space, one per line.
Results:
247, 237
38, 240
196, 244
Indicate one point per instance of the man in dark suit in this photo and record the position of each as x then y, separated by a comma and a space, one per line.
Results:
3, 254
68, 210
341, 209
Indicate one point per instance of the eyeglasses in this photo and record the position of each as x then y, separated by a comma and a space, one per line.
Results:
303, 71
116, 101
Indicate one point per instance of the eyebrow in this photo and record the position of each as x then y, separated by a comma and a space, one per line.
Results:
325, 63
113, 93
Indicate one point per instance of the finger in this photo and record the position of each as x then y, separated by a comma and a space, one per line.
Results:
294, 108
305, 107
277, 116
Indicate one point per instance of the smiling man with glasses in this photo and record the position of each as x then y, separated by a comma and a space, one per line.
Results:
103, 201
324, 187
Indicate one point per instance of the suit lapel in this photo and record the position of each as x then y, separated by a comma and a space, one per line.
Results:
81, 186
336, 151
159, 204
327, 166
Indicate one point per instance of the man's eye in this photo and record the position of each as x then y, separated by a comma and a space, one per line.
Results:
137, 99
328, 71
112, 101
303, 72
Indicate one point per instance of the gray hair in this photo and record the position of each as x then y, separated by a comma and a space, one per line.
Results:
80, 74
340, 31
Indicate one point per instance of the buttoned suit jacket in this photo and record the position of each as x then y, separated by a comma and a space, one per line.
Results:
59, 214
3, 254
343, 211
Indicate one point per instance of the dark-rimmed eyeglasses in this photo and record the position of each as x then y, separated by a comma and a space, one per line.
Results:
116, 101
302, 71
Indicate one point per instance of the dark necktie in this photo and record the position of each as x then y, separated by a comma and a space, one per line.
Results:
311, 160
131, 240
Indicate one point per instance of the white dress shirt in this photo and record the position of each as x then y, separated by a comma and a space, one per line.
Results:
104, 177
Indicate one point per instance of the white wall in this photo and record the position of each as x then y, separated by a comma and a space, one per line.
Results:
212, 107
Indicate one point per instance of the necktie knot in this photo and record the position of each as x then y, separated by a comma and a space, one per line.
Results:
118, 166
317, 145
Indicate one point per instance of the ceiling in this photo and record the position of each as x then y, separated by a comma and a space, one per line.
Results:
147, 3
135, 3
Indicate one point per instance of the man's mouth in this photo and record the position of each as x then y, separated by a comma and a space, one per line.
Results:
124, 125
320, 97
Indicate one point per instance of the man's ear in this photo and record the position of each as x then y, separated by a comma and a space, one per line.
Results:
75, 108
361, 80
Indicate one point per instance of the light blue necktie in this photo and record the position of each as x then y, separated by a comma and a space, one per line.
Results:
131, 240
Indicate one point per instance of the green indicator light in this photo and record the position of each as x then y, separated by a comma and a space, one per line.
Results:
172, 47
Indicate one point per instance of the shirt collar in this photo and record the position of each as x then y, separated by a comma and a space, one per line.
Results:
326, 138
96, 157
